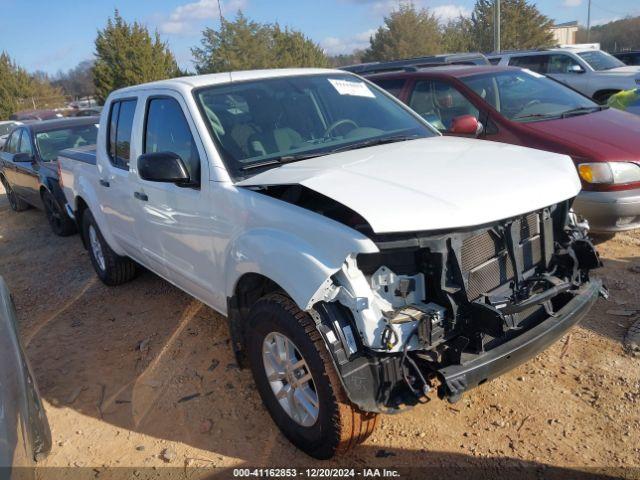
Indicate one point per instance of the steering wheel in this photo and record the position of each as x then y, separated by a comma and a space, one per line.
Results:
337, 123
532, 103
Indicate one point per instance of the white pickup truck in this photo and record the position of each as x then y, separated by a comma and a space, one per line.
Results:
363, 260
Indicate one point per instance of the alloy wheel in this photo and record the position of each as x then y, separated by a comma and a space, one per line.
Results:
53, 212
290, 379
96, 248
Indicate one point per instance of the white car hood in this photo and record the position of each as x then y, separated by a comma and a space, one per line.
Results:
433, 183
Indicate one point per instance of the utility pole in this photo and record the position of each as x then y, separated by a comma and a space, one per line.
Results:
496, 26
589, 21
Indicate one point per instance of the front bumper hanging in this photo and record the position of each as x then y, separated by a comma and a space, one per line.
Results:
457, 379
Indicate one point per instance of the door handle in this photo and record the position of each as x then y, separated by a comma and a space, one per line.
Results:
104, 183
141, 196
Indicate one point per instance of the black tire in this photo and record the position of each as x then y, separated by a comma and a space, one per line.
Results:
603, 96
339, 426
15, 202
58, 219
114, 269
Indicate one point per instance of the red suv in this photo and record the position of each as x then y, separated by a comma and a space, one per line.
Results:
518, 106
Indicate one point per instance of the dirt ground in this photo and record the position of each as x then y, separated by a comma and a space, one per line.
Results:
142, 376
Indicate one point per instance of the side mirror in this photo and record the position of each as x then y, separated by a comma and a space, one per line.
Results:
466, 125
575, 69
164, 167
22, 158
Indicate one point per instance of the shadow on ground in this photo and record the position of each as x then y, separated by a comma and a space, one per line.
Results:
146, 357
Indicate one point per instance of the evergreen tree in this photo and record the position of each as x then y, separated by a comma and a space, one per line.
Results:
522, 26
243, 44
407, 32
127, 54
457, 36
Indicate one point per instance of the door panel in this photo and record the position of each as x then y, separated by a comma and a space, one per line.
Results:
115, 182
27, 173
11, 148
176, 223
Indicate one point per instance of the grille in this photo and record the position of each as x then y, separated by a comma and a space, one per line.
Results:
485, 259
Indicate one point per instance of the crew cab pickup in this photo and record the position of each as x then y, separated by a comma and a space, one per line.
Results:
364, 261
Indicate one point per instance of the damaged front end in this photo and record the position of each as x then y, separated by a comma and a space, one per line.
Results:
451, 310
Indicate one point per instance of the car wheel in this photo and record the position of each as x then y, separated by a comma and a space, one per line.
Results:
298, 383
111, 268
15, 202
58, 219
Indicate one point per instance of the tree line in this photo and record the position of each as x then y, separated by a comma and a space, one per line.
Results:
129, 53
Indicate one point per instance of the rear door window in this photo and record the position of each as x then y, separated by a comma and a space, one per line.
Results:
119, 135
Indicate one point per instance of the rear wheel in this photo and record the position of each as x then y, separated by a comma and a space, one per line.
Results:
58, 219
298, 382
15, 202
111, 268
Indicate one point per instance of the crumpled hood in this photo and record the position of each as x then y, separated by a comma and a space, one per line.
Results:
433, 183
609, 135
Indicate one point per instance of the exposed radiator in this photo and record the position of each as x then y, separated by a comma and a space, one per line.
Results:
486, 262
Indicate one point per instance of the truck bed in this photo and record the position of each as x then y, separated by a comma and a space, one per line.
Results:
76, 165
82, 154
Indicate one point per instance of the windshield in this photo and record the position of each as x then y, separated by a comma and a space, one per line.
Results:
265, 122
526, 96
51, 142
5, 128
599, 60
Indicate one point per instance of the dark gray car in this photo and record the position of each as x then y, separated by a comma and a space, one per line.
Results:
25, 436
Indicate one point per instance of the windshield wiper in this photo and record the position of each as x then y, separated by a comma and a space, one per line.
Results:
582, 111
375, 141
305, 156
283, 159
536, 115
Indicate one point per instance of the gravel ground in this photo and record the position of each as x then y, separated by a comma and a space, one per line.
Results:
142, 376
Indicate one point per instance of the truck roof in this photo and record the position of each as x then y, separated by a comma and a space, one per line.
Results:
196, 81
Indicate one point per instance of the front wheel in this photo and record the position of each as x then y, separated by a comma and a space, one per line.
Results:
111, 268
298, 383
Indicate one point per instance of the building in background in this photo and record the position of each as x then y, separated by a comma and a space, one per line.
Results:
565, 33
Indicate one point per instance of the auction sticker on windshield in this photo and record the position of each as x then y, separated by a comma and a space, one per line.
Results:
347, 87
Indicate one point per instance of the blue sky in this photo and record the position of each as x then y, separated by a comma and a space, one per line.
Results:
51, 35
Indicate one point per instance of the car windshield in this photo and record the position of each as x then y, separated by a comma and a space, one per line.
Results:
5, 128
263, 123
599, 60
525, 96
51, 142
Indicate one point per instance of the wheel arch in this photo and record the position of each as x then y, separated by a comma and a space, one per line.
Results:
83, 202
602, 95
249, 288
78, 211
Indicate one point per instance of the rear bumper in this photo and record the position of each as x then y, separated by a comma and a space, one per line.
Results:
610, 211
457, 379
